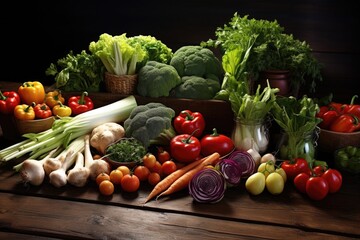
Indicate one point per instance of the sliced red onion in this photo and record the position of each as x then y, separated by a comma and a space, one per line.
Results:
246, 162
231, 170
207, 186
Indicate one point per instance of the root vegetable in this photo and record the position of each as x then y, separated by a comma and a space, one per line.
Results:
32, 171
170, 179
268, 157
52, 164
58, 178
255, 155
95, 166
78, 176
105, 134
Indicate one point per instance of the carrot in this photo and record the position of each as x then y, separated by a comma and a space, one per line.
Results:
168, 180
183, 181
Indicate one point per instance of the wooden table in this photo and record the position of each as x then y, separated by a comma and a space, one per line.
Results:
47, 212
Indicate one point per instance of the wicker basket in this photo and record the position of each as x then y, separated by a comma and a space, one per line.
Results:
123, 84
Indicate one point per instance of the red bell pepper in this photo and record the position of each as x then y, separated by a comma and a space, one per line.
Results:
42, 111
8, 102
188, 122
342, 108
353, 108
80, 104
345, 123
294, 167
185, 148
327, 118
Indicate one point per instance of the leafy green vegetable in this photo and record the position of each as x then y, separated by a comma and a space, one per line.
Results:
272, 49
252, 107
297, 117
126, 150
155, 49
117, 55
80, 72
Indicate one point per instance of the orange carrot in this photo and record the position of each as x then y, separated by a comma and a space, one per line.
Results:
183, 181
168, 180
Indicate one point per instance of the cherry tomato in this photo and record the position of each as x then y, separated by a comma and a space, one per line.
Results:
168, 167
300, 182
130, 183
115, 176
162, 155
149, 160
293, 168
106, 187
334, 179
154, 178
101, 177
156, 168
317, 188
124, 169
142, 172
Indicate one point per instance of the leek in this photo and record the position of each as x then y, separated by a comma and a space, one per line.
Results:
64, 130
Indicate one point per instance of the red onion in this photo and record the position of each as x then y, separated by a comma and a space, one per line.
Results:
231, 170
246, 161
207, 186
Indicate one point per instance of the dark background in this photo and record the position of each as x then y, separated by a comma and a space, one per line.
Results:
37, 33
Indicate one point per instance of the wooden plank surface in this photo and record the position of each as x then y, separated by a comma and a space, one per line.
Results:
79, 220
338, 214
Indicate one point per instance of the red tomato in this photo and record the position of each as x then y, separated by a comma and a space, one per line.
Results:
156, 168
334, 179
216, 143
162, 155
317, 188
293, 168
185, 148
142, 172
154, 178
319, 170
168, 167
300, 182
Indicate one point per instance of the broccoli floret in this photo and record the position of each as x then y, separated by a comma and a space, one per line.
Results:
196, 88
156, 79
151, 124
198, 61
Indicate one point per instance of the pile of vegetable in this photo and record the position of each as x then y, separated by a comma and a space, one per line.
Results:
340, 117
348, 159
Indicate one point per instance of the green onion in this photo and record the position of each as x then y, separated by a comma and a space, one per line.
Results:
64, 130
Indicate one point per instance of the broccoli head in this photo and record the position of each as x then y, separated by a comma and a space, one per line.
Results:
150, 124
156, 79
194, 87
198, 61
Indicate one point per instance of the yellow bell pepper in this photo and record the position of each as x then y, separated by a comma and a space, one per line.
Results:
24, 112
52, 98
32, 92
61, 110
